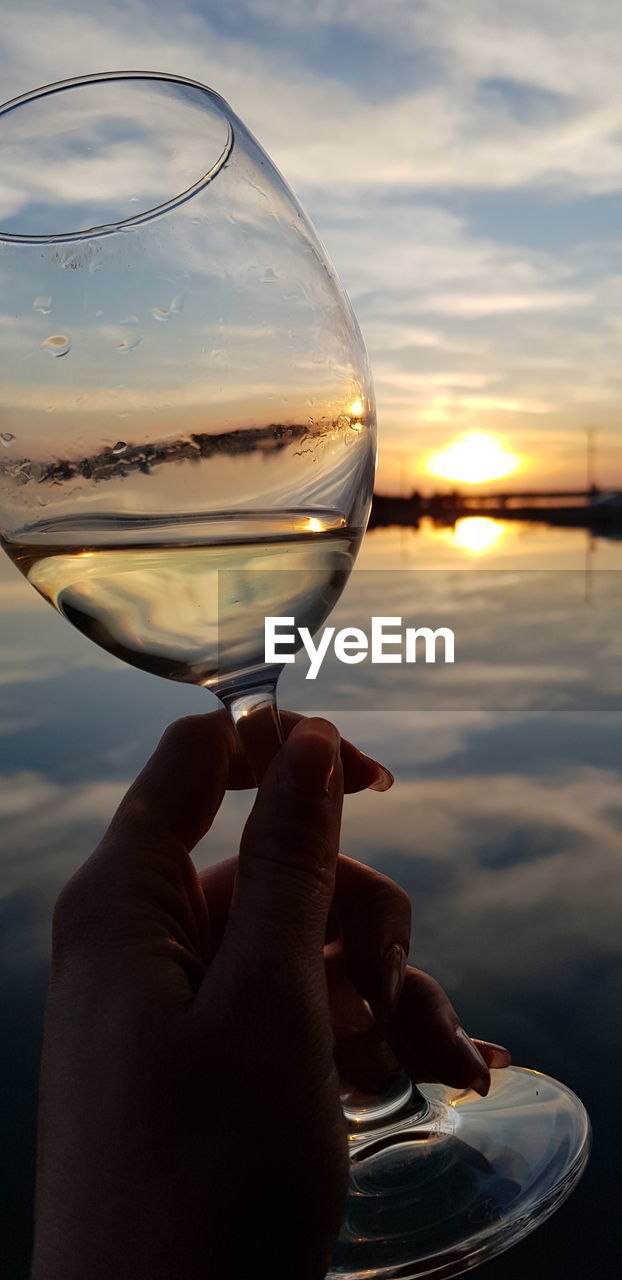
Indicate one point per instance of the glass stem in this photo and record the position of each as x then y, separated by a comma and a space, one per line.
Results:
255, 714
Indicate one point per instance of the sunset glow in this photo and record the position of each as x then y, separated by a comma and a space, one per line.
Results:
473, 459
477, 534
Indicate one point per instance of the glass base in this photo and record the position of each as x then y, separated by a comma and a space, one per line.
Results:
442, 1179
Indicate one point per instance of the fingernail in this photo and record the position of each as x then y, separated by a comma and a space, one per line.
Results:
383, 778
393, 971
310, 755
496, 1051
479, 1075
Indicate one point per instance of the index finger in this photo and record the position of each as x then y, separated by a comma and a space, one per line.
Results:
181, 788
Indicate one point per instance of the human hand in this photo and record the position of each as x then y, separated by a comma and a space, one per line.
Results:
190, 1121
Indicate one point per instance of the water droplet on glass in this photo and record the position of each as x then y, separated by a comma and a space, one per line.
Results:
173, 309
7, 438
133, 200
129, 320
58, 344
43, 304
99, 313
343, 421
269, 276
128, 342
119, 447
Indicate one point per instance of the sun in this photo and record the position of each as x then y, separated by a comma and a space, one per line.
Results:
473, 459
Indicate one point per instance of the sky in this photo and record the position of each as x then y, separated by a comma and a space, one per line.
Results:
462, 163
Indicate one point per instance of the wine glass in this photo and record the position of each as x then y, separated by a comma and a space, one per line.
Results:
188, 424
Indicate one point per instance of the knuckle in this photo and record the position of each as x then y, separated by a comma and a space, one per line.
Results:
390, 899
214, 725
79, 915
69, 910
292, 853
403, 904
179, 731
394, 891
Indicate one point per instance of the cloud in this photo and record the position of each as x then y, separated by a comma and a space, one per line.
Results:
327, 132
39, 815
441, 408
500, 304
486, 98
482, 101
564, 48
518, 867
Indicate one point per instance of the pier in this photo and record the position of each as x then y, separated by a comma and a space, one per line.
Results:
592, 508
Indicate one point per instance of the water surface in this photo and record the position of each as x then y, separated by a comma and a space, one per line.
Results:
505, 824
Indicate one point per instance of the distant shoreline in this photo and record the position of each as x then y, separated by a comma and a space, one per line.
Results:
589, 509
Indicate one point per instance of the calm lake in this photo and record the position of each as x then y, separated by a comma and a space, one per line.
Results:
505, 823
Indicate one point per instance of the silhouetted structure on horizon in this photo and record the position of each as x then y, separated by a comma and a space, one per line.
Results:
586, 509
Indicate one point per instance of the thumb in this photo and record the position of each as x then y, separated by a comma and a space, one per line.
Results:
288, 854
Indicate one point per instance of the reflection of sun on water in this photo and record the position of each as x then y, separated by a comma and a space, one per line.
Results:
473, 459
477, 534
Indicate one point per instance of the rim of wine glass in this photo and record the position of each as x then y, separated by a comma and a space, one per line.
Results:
109, 228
